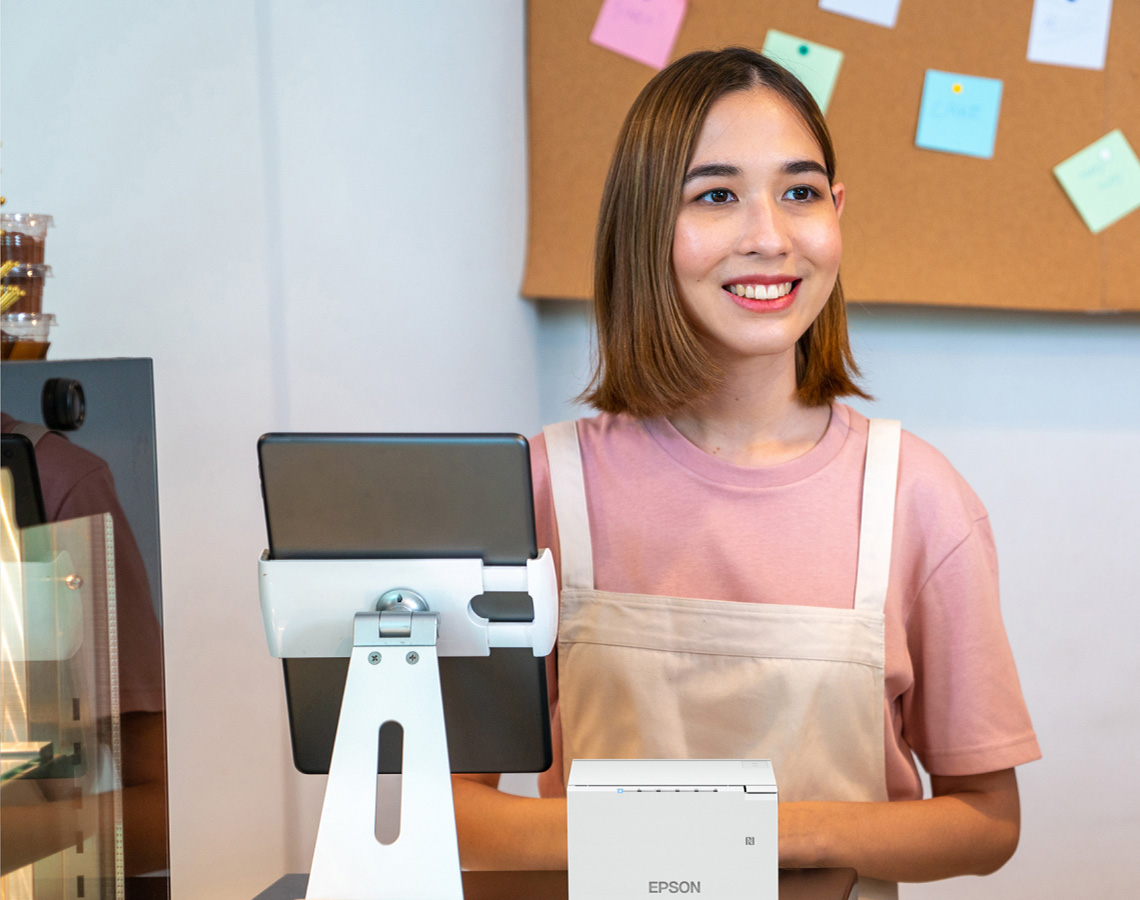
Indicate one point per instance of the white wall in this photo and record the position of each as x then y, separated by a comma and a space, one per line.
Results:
312, 214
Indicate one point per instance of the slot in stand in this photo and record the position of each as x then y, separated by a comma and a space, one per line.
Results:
393, 676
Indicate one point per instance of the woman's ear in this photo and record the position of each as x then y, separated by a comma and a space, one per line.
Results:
837, 193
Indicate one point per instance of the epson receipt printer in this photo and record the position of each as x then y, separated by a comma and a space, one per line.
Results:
640, 827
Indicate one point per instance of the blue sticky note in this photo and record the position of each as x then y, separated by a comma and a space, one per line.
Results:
959, 114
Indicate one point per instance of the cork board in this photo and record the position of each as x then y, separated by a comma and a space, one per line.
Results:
920, 227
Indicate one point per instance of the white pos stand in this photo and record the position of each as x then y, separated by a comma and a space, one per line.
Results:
393, 619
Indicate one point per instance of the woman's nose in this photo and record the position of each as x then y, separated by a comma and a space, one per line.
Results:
765, 230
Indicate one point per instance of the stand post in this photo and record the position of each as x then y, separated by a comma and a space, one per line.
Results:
393, 676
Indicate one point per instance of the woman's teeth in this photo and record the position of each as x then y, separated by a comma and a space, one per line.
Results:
761, 291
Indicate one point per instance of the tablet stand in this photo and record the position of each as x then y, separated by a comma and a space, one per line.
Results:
393, 676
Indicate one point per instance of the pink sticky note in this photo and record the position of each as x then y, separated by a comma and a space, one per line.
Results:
644, 30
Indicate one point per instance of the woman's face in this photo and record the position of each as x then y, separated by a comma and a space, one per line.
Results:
756, 248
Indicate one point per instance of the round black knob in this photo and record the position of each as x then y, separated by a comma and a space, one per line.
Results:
63, 405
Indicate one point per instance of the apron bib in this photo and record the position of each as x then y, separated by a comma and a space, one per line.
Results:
648, 677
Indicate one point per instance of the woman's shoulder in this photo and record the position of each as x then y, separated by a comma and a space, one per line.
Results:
938, 517
923, 468
929, 486
596, 431
931, 482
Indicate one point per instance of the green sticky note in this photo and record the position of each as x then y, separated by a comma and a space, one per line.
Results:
814, 64
1103, 181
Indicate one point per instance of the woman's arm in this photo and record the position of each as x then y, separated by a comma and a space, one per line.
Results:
969, 827
503, 831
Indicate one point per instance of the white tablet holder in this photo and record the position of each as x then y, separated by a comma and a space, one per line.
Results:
394, 619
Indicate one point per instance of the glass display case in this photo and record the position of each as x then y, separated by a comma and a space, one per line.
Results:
61, 804
89, 427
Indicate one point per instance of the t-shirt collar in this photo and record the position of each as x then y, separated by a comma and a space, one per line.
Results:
705, 465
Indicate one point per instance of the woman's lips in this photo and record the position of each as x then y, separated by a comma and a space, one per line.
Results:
767, 296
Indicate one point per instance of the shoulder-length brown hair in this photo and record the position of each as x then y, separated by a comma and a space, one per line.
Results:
650, 361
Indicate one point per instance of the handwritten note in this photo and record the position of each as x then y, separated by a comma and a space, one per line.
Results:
1070, 32
815, 65
1103, 181
959, 114
878, 12
644, 30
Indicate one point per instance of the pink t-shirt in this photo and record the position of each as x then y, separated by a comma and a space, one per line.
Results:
669, 519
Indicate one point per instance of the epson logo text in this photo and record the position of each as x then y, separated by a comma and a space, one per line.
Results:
674, 887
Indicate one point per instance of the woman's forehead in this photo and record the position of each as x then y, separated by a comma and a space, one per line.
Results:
753, 119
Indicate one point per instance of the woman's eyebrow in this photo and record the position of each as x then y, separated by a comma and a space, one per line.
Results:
712, 170
725, 170
805, 167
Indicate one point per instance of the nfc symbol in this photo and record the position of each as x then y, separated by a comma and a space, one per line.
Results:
749, 841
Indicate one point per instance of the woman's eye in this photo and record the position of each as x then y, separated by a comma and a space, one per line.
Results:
716, 195
801, 192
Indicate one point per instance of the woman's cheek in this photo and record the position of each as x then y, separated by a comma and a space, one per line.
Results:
694, 248
826, 245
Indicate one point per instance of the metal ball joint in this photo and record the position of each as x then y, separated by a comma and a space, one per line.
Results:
401, 600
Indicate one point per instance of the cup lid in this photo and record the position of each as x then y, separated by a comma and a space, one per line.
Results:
28, 270
26, 319
21, 221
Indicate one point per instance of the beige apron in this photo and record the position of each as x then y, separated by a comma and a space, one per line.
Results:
644, 677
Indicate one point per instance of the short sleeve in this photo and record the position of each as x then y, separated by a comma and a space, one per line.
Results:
965, 713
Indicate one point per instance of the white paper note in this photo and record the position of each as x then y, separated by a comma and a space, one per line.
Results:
880, 12
1070, 32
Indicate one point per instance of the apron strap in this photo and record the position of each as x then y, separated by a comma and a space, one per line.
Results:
877, 521
568, 487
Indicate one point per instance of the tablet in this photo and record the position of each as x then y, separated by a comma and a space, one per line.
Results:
414, 496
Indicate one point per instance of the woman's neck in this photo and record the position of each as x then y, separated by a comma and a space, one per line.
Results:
755, 418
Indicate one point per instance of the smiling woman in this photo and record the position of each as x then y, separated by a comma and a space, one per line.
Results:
662, 158
749, 568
